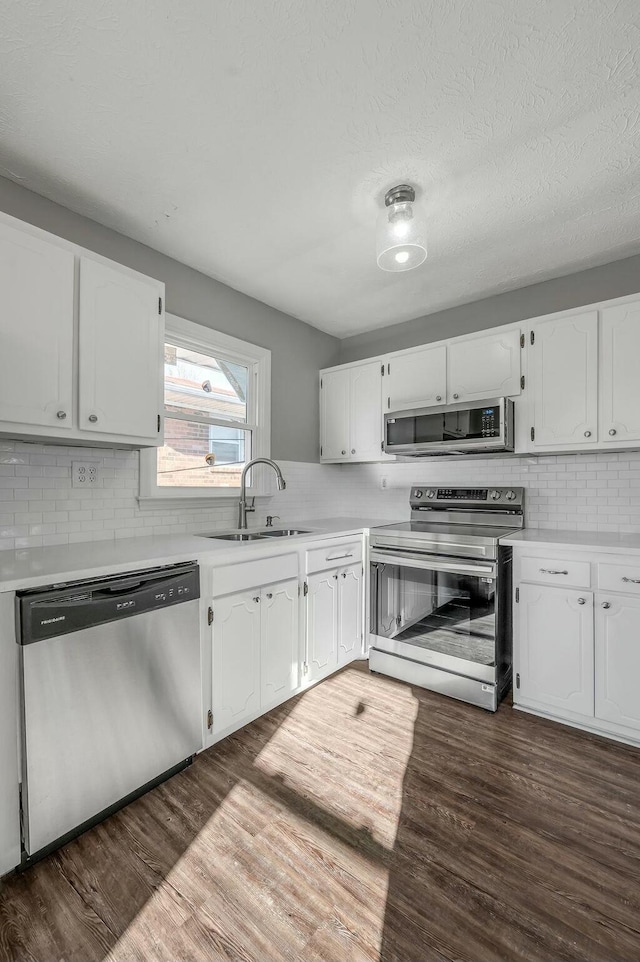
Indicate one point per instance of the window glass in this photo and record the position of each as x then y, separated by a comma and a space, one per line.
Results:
196, 383
196, 454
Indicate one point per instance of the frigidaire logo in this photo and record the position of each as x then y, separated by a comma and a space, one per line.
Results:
51, 621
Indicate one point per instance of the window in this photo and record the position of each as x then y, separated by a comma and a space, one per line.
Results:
216, 414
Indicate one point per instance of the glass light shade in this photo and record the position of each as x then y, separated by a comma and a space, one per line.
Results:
401, 237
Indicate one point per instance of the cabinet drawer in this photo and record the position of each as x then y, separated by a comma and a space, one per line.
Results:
555, 571
229, 579
334, 556
619, 578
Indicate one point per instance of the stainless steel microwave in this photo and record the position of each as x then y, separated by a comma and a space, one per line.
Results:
476, 428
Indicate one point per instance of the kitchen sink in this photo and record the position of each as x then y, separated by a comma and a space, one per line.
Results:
283, 533
234, 537
258, 535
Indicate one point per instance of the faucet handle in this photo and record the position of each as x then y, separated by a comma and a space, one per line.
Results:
252, 506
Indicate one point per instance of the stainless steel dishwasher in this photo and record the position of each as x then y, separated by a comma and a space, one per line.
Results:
111, 695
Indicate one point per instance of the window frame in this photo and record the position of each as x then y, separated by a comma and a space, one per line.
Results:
197, 337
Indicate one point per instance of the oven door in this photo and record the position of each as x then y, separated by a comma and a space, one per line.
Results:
438, 610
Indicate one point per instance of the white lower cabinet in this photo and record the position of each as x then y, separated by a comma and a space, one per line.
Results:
349, 614
279, 642
256, 652
617, 696
264, 645
236, 659
555, 663
334, 619
576, 651
322, 624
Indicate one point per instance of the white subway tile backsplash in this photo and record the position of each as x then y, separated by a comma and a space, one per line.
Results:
38, 505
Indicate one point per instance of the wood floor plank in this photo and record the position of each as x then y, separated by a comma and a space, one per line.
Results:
363, 820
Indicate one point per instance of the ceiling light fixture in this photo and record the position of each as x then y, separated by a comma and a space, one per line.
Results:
401, 232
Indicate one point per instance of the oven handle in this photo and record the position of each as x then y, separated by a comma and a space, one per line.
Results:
431, 564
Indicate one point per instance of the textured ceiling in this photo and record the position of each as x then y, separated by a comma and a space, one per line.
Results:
255, 140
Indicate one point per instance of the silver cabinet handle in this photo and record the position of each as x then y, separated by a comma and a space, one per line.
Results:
338, 557
605, 604
93, 418
61, 415
612, 431
335, 577
269, 595
344, 452
353, 450
257, 599
581, 601
631, 581
344, 574
438, 397
456, 396
587, 434
552, 571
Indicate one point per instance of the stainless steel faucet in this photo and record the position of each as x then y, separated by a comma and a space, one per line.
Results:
243, 508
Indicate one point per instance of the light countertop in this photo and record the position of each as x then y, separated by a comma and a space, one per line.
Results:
35, 567
609, 542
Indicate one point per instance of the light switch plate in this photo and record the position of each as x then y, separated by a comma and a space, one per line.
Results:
85, 474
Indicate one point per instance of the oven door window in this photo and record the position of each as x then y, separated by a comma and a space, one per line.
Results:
453, 614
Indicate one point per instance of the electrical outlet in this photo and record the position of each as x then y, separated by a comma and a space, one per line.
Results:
85, 474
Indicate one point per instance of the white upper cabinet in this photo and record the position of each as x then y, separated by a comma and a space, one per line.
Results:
351, 413
81, 343
484, 367
120, 362
36, 331
334, 415
563, 360
416, 378
365, 412
619, 376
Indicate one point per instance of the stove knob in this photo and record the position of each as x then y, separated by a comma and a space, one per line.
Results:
510, 496
431, 493
417, 494
494, 495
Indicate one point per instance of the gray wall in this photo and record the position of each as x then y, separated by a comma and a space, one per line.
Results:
297, 350
561, 293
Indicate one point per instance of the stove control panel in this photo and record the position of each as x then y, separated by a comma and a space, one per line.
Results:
424, 499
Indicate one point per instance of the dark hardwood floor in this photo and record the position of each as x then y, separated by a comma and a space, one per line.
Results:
363, 820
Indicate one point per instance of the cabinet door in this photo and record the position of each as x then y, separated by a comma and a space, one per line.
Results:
618, 660
416, 379
484, 367
349, 614
365, 413
120, 353
555, 657
36, 331
334, 415
279, 643
322, 623
236, 659
619, 381
564, 359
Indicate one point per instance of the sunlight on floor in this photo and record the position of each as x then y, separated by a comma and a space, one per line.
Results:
284, 829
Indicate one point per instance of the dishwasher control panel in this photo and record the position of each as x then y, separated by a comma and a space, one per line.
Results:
58, 610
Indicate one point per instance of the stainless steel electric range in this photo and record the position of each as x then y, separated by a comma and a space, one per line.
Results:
441, 592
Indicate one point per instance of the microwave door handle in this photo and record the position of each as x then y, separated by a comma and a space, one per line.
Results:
480, 571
